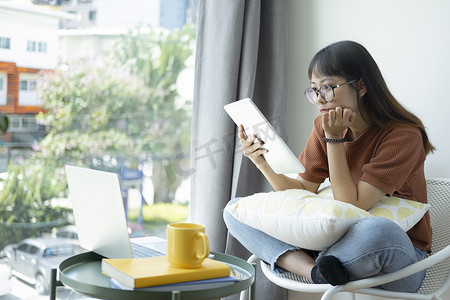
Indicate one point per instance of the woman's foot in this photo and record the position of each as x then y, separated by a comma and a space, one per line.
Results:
298, 262
330, 269
316, 277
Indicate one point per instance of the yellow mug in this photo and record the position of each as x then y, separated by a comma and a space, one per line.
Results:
187, 245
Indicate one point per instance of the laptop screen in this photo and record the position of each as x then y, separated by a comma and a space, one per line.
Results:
99, 211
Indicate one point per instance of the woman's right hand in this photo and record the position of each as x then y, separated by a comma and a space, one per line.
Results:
252, 149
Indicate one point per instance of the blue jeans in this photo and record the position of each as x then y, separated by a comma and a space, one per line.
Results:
373, 246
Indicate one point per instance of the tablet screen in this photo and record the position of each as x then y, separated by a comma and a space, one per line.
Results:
280, 157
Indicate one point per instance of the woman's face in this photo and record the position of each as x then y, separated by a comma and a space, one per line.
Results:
344, 96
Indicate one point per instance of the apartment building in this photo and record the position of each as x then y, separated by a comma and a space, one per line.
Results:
28, 46
38, 35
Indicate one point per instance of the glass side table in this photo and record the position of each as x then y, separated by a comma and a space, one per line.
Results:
82, 273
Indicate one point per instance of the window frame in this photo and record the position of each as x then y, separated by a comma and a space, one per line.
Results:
5, 43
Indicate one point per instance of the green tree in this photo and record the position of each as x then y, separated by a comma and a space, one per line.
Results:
88, 108
123, 109
103, 114
27, 194
26, 208
158, 57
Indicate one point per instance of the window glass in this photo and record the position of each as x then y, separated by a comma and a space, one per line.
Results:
31, 46
42, 47
14, 123
62, 250
24, 247
29, 123
33, 249
5, 43
119, 102
62, 234
92, 15
3, 92
24, 85
32, 85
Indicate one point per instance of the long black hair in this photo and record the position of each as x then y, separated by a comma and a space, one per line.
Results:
378, 107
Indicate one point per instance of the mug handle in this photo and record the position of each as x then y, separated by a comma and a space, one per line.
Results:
205, 246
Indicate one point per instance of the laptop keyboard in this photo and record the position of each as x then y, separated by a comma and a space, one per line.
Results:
142, 251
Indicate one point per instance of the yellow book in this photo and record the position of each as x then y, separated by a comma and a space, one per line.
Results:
151, 271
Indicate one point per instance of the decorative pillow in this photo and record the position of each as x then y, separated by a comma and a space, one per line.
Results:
316, 221
406, 213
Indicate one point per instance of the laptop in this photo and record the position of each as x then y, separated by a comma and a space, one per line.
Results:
280, 158
99, 214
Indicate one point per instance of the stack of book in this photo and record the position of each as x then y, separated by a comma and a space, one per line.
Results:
155, 273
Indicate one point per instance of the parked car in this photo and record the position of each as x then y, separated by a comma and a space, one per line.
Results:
5, 279
67, 232
34, 259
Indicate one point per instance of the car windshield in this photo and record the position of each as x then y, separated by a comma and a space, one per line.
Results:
59, 250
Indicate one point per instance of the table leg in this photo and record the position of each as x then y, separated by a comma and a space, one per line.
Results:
253, 287
53, 284
176, 295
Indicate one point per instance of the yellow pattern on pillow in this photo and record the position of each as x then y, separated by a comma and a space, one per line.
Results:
406, 213
316, 221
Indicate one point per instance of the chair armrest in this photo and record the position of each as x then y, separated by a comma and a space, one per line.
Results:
252, 259
382, 279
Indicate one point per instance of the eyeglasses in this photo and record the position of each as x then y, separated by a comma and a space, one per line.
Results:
326, 91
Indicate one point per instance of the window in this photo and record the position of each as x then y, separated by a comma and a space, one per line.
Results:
28, 248
24, 247
23, 124
67, 235
92, 15
5, 43
28, 85
33, 46
97, 116
32, 85
29, 124
3, 88
61, 250
15, 124
24, 85
28, 95
29, 98
33, 249
42, 47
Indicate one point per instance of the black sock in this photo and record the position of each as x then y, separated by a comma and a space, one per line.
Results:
332, 270
316, 276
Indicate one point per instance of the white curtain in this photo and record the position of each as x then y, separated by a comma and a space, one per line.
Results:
241, 52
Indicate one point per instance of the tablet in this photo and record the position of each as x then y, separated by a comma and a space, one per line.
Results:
280, 158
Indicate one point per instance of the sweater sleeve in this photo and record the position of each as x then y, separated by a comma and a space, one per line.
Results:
314, 156
399, 156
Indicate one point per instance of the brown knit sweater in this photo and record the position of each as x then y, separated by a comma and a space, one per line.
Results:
391, 159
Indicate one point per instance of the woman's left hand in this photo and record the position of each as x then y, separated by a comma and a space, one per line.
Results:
336, 121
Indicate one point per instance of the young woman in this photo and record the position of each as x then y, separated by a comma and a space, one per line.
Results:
369, 146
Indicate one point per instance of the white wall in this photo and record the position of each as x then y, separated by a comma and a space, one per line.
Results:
409, 40
110, 12
22, 22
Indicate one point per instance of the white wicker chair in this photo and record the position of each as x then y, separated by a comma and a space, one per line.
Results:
437, 280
